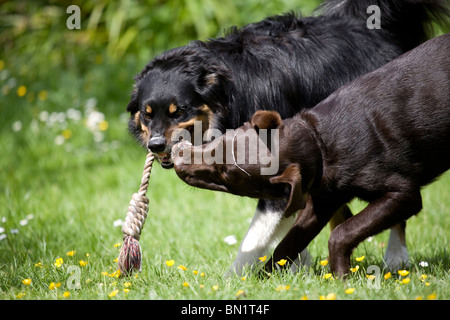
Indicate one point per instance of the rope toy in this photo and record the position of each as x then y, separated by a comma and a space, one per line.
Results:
130, 256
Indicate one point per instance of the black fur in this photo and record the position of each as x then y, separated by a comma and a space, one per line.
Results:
282, 62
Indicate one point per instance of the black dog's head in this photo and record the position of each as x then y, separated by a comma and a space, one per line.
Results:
177, 94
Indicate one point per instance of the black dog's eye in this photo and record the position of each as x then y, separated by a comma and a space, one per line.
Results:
148, 112
147, 115
179, 112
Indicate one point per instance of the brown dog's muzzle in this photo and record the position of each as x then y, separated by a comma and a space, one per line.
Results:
241, 163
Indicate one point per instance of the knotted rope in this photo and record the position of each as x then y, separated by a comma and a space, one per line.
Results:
130, 255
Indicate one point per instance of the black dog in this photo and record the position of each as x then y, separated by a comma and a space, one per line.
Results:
379, 138
283, 62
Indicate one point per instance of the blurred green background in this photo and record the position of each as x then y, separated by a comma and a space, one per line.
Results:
116, 40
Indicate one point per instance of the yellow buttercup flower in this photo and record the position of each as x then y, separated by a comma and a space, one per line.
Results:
349, 290
370, 277
71, 253
118, 244
354, 269
387, 275
282, 287
103, 126
20, 295
83, 263
406, 280
66, 294
127, 284
53, 285
359, 259
185, 284
331, 296
59, 262
113, 293
323, 262
282, 262
67, 134
328, 276
432, 296
240, 293
26, 282
170, 263
262, 259
403, 273
39, 264
181, 267
21, 91
42, 95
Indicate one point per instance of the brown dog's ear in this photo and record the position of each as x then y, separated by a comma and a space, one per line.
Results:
263, 119
292, 177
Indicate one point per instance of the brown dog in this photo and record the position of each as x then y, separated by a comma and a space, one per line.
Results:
379, 138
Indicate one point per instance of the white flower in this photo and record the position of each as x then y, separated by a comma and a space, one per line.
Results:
230, 240
93, 120
59, 140
118, 223
91, 103
2, 236
74, 114
17, 126
14, 231
423, 264
44, 116
23, 222
2, 230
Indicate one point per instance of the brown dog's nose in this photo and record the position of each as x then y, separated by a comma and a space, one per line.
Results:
157, 144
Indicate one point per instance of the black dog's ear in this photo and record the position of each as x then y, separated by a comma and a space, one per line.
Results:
292, 177
263, 119
133, 105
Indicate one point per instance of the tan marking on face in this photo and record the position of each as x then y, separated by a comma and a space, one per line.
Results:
212, 79
145, 133
205, 118
148, 109
136, 119
172, 108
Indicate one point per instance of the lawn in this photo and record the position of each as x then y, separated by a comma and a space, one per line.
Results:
67, 177
69, 168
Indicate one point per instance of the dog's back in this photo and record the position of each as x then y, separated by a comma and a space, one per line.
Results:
395, 119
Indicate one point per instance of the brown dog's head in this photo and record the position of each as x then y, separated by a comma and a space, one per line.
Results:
250, 161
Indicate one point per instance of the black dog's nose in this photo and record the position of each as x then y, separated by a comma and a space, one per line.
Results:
157, 144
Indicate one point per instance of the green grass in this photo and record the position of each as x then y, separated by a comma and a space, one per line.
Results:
60, 190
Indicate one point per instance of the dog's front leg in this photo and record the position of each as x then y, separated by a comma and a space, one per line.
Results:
268, 227
308, 224
380, 214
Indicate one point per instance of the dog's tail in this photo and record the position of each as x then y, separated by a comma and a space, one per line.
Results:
408, 22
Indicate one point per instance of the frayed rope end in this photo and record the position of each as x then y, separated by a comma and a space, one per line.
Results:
130, 256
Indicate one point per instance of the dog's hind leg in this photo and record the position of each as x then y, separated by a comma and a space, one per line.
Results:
387, 211
396, 255
268, 227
